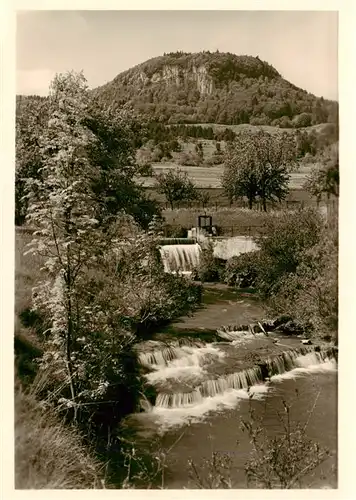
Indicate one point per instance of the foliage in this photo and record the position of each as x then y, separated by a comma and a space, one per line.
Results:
295, 269
258, 166
235, 89
214, 473
63, 209
103, 286
174, 231
176, 186
310, 295
31, 116
282, 243
210, 268
242, 271
282, 461
190, 159
324, 178
112, 153
204, 198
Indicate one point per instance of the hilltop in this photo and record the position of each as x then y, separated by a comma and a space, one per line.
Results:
220, 88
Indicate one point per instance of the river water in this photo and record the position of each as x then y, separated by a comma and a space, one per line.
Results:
202, 395
220, 431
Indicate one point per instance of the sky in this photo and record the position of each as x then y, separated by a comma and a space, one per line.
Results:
301, 45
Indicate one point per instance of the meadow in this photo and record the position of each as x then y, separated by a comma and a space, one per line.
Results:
210, 176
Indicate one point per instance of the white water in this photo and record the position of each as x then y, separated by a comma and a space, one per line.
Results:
185, 257
239, 336
231, 247
182, 258
225, 392
309, 364
188, 363
163, 354
168, 418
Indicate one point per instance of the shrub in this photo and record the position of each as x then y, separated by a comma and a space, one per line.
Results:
210, 268
282, 243
310, 295
242, 271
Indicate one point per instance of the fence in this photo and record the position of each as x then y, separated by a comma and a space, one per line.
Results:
227, 230
217, 205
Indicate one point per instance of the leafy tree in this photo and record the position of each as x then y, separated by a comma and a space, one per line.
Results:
114, 154
105, 283
204, 197
324, 178
176, 186
310, 295
62, 209
302, 120
259, 165
199, 151
282, 242
31, 118
239, 177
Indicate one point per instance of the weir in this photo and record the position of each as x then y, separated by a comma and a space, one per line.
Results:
183, 254
183, 380
180, 258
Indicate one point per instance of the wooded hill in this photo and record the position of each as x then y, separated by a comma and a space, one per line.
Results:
215, 87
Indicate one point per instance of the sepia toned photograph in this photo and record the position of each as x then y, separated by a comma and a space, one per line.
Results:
176, 250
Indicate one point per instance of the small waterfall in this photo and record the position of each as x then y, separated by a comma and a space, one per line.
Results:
192, 379
162, 354
189, 363
241, 332
180, 258
244, 379
211, 388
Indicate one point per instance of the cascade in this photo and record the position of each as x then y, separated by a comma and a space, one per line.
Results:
162, 354
190, 362
303, 357
180, 258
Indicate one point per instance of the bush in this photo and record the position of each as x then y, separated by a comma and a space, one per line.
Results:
242, 271
210, 268
179, 232
310, 295
282, 243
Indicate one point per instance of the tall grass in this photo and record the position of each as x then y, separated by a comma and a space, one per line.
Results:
48, 454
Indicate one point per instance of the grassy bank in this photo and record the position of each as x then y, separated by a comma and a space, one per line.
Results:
49, 454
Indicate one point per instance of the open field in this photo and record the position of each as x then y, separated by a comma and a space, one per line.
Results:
218, 199
210, 177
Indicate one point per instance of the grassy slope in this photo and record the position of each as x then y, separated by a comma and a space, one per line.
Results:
48, 454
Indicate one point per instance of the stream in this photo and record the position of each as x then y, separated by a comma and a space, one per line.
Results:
204, 388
